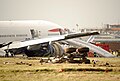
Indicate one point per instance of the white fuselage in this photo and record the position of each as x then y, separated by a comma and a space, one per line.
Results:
24, 30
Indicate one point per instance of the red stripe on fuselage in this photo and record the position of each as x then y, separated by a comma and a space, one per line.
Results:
55, 30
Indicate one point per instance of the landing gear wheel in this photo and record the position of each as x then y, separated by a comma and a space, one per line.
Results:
70, 50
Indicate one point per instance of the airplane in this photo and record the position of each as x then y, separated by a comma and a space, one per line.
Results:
34, 37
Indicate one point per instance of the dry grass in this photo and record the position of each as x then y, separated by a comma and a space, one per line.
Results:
11, 70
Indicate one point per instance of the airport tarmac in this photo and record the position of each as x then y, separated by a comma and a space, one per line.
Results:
22, 69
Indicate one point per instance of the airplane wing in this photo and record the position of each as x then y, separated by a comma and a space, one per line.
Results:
49, 39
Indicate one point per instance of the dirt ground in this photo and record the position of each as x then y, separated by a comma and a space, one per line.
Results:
21, 69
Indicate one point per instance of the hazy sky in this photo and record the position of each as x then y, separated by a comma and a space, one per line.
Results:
67, 13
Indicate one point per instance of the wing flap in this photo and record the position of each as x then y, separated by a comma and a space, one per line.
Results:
80, 35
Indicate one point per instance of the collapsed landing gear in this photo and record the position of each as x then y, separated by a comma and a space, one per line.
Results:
78, 59
74, 55
7, 52
78, 56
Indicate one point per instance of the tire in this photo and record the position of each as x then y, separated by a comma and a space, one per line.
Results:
70, 50
83, 49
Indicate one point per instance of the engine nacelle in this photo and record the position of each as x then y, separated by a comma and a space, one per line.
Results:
45, 49
58, 51
34, 47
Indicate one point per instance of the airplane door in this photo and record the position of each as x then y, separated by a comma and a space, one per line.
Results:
34, 33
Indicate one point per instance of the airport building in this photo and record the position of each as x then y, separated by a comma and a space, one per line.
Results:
112, 29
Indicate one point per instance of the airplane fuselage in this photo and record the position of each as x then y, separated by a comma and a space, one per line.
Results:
27, 29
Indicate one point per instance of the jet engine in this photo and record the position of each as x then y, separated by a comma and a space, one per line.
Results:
45, 49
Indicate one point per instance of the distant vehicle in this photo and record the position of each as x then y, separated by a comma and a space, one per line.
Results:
34, 37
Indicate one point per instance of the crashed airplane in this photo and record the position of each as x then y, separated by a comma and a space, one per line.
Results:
37, 38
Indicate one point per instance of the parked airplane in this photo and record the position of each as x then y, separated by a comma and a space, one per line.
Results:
34, 37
